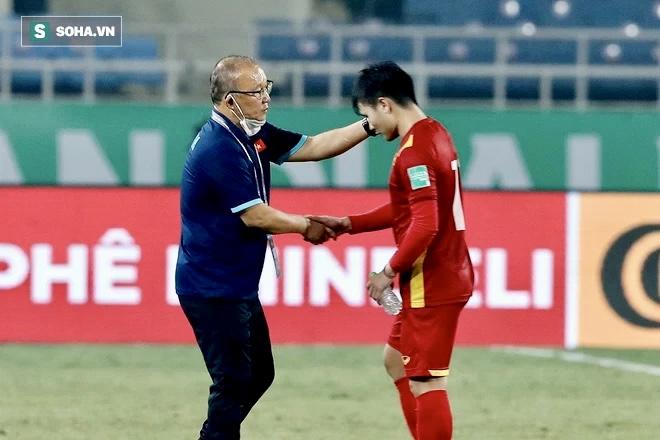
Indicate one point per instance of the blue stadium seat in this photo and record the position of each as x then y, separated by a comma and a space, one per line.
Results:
421, 12
347, 82
293, 47
542, 14
622, 89
523, 88
563, 89
140, 47
607, 13
626, 52
461, 88
319, 85
450, 50
316, 85
133, 48
450, 12
539, 51
377, 48
650, 15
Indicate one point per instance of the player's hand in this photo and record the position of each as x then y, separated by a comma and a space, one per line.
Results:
317, 233
377, 285
338, 225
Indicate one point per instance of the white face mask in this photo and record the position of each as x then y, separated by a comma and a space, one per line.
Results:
249, 125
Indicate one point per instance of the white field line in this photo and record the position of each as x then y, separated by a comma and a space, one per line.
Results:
580, 358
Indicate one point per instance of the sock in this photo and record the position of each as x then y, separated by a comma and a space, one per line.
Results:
434, 420
408, 404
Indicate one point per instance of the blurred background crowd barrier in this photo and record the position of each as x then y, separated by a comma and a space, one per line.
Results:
508, 52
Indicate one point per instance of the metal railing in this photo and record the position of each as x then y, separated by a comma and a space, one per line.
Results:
500, 70
179, 69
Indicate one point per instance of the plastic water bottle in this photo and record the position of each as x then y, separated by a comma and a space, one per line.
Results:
389, 301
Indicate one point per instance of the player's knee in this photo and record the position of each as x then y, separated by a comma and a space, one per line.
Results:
421, 385
393, 363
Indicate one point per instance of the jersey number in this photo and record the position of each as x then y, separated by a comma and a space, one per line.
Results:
457, 207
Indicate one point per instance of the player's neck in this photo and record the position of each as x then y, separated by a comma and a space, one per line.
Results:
408, 117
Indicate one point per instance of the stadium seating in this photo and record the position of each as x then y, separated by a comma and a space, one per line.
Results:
453, 50
281, 41
368, 48
568, 13
133, 48
625, 49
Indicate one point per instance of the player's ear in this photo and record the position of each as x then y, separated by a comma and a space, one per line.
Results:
229, 100
385, 104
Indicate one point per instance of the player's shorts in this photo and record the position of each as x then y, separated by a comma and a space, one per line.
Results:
425, 338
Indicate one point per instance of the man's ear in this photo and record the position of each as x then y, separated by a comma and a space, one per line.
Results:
385, 104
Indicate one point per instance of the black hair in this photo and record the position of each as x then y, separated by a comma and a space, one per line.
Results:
384, 79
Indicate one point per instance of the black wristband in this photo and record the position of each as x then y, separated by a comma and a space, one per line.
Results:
367, 129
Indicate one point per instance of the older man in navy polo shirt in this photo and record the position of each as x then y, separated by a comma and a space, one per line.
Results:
227, 224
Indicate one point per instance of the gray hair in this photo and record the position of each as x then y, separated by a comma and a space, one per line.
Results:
225, 73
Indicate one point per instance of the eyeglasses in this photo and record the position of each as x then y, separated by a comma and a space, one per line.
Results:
259, 94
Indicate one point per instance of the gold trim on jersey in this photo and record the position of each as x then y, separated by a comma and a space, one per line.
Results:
439, 373
407, 144
417, 283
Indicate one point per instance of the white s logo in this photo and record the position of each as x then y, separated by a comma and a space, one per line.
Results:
39, 31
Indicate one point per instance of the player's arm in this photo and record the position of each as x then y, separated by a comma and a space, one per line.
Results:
330, 143
275, 221
374, 220
423, 228
416, 172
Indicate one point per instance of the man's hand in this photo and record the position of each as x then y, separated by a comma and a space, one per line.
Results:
317, 232
377, 285
338, 225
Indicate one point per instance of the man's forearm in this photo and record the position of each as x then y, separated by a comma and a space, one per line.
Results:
330, 143
273, 220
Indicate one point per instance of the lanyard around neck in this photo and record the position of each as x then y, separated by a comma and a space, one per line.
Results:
260, 190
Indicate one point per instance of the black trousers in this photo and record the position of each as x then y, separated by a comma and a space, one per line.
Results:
233, 337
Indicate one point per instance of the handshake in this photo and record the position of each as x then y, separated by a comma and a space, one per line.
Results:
321, 228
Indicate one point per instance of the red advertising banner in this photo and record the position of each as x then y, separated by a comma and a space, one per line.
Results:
97, 265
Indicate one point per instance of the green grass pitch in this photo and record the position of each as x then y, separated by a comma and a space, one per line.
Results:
76, 392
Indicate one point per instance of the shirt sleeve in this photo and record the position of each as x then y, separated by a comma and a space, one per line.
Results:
423, 228
417, 174
232, 175
281, 144
374, 220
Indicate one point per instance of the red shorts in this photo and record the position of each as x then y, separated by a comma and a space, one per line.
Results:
425, 338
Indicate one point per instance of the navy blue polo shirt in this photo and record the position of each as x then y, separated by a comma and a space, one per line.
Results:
225, 173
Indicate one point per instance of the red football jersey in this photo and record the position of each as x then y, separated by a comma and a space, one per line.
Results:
426, 168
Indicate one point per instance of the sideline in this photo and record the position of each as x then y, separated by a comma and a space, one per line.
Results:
580, 358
